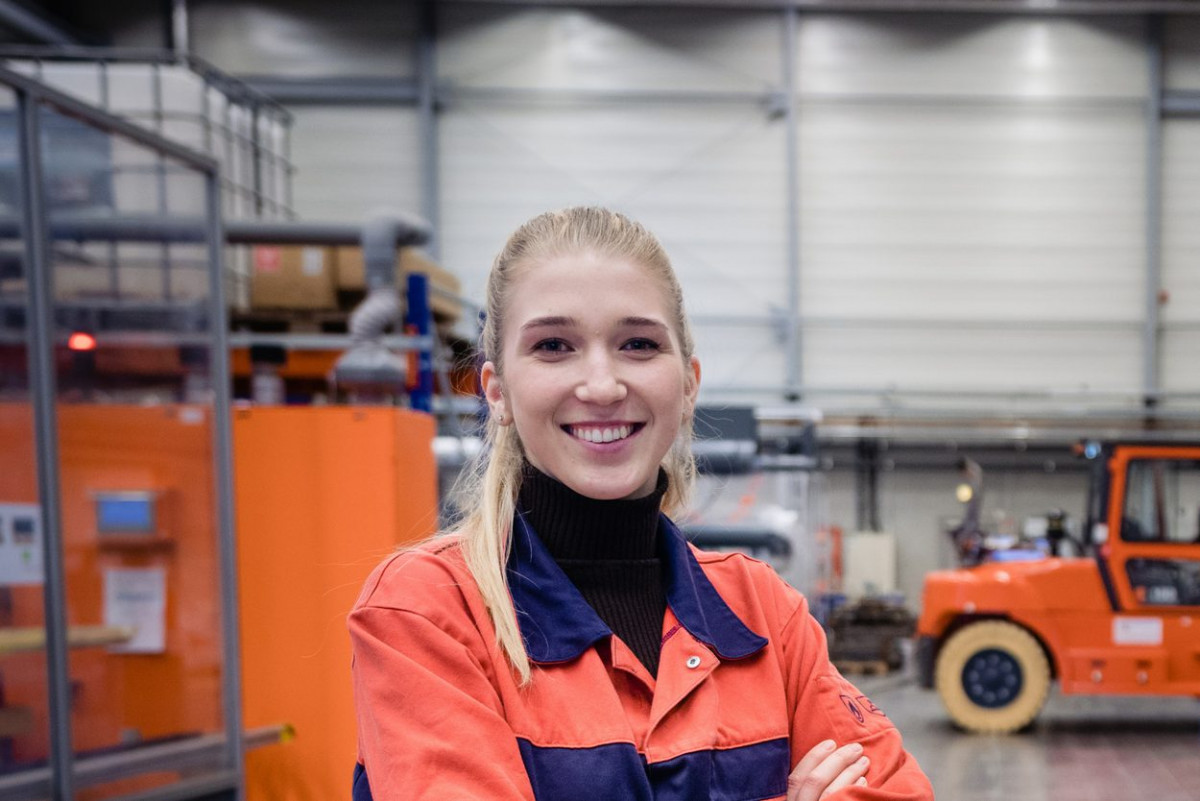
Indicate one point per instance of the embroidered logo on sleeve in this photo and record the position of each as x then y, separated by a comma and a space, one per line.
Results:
852, 707
850, 712
869, 706
860, 706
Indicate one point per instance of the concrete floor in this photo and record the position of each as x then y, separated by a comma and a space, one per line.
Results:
1080, 749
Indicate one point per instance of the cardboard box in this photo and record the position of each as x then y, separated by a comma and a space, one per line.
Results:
134, 282
351, 276
292, 277
80, 281
141, 281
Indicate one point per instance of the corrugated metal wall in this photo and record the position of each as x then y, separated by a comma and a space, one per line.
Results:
972, 188
355, 162
653, 112
1181, 215
972, 202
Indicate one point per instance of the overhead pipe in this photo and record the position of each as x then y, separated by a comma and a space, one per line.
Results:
354, 90
404, 230
155, 228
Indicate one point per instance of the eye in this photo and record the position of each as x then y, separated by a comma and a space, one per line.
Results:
552, 345
642, 345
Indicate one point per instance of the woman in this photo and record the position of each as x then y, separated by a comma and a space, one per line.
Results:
566, 643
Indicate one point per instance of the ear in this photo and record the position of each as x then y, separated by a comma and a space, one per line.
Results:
691, 385
493, 391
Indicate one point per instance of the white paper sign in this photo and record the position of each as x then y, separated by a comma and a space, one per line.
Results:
21, 544
137, 598
312, 261
1137, 630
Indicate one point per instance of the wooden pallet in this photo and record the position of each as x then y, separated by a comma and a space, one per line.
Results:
305, 321
868, 667
290, 321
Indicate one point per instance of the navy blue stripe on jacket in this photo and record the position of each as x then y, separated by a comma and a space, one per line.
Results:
747, 773
362, 788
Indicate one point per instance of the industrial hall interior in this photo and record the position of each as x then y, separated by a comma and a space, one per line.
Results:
940, 261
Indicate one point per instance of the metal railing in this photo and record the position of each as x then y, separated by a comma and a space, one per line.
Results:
265, 159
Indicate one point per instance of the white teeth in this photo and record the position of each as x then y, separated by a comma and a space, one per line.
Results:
601, 435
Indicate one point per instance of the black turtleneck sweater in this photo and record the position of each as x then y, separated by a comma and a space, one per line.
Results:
608, 550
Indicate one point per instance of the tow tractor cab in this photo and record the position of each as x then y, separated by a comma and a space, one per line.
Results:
1119, 615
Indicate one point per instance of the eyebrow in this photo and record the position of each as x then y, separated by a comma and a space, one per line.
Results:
549, 322
568, 322
644, 322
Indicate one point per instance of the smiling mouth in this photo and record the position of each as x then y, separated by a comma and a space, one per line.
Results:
602, 434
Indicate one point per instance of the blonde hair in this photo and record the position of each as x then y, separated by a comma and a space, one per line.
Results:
486, 492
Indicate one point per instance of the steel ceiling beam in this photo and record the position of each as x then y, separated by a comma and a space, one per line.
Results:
1060, 7
1152, 320
341, 91
427, 109
38, 28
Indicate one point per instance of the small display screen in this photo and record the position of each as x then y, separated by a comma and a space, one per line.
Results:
24, 530
125, 514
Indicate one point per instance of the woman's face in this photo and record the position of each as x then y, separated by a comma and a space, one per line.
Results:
593, 377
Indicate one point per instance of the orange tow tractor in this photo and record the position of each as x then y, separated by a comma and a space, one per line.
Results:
1118, 615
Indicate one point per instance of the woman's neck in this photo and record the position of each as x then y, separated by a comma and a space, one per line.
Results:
575, 527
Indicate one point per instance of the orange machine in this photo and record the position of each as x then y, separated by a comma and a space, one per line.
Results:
1120, 616
323, 494
123, 692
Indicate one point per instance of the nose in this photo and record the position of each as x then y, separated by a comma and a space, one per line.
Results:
600, 383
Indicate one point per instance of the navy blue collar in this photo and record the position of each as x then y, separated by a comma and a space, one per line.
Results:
557, 624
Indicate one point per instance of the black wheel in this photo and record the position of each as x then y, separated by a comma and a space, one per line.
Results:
992, 676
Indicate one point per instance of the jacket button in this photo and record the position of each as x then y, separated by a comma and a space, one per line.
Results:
693, 662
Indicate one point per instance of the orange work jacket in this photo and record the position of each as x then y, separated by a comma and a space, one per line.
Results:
744, 688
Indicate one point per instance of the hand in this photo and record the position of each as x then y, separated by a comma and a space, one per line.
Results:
826, 769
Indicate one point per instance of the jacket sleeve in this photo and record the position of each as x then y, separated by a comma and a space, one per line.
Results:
430, 723
827, 706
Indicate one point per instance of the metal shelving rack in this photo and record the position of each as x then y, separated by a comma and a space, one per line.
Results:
34, 323
36, 226
184, 99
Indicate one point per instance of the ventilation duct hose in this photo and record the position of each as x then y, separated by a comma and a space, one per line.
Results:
368, 365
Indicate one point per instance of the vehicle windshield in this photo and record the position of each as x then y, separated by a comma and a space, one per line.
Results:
1162, 501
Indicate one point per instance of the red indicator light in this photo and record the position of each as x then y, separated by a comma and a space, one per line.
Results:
81, 341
